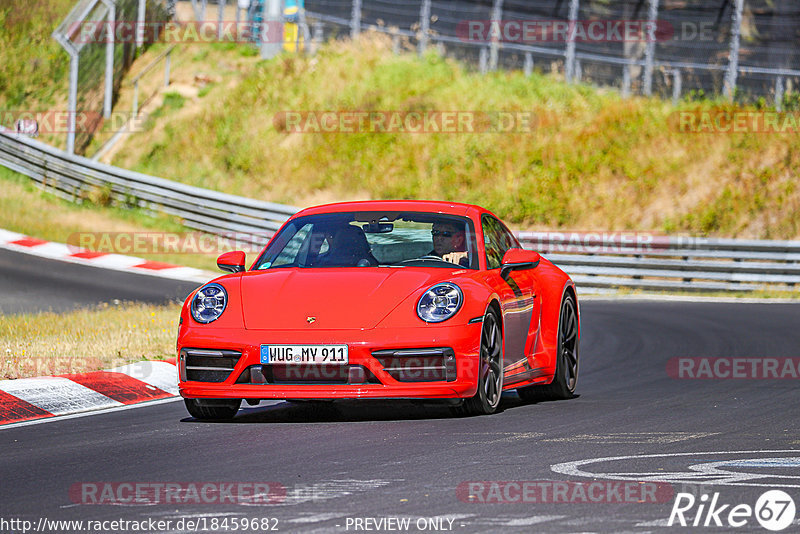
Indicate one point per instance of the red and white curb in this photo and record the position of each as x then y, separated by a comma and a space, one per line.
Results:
59, 251
27, 399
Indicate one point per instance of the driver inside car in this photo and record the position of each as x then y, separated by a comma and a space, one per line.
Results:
449, 243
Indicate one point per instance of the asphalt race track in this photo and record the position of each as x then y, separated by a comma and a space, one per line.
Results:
31, 284
345, 462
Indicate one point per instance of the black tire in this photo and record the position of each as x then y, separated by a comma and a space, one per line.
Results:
490, 370
212, 409
566, 375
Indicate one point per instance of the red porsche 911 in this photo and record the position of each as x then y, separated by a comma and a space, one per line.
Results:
381, 299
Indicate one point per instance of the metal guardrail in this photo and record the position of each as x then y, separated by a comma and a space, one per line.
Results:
74, 177
614, 260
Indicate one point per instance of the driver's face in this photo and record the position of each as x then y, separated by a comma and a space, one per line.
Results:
446, 237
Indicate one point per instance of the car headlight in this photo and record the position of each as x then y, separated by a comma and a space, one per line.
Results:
440, 302
209, 303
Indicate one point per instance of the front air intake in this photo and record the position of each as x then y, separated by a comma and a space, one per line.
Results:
208, 365
418, 365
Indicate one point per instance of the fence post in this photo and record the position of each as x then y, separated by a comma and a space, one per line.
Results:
650, 50
483, 60
497, 17
733, 56
424, 26
528, 68
578, 74
569, 67
395, 42
203, 4
220, 17
73, 100
271, 28
355, 20
140, 24
676, 86
166, 68
109, 80
779, 93
316, 36
135, 108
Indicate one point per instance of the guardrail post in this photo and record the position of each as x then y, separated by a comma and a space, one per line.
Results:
569, 54
578, 75
483, 60
626, 81
497, 18
650, 49
424, 26
395, 42
733, 56
676, 86
355, 20
779, 92
528, 67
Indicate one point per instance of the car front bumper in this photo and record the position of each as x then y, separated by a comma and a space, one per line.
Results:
427, 362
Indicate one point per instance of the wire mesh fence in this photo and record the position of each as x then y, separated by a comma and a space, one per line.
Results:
679, 49
101, 49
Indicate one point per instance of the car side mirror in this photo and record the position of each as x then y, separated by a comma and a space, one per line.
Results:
232, 262
518, 259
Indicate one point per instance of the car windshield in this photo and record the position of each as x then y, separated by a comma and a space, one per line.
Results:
373, 239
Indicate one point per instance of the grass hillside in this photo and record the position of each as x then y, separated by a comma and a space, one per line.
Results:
594, 161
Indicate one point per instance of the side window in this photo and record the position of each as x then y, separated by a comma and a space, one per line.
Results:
289, 254
495, 241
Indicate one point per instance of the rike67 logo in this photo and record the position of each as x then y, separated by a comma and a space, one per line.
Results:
774, 510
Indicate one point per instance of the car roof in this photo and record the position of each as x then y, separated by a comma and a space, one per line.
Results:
427, 206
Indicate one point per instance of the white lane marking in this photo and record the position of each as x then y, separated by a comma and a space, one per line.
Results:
88, 414
317, 518
654, 523
635, 437
723, 479
525, 521
326, 490
162, 375
59, 396
518, 521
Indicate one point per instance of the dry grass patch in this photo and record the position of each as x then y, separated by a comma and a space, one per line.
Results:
107, 336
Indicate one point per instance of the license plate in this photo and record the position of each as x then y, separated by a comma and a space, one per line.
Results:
304, 354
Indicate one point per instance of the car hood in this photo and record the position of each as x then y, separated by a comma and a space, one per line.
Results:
340, 298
